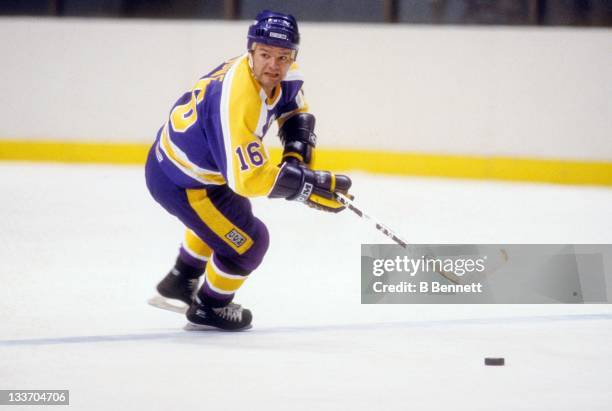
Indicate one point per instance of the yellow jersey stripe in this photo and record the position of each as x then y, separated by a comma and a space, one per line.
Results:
244, 111
225, 127
180, 160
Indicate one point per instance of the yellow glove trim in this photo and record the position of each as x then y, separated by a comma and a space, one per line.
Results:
294, 155
332, 187
325, 202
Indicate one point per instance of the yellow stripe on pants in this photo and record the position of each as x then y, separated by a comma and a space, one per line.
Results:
217, 222
196, 245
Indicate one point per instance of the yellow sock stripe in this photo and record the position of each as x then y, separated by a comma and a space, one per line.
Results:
217, 222
395, 163
222, 282
195, 246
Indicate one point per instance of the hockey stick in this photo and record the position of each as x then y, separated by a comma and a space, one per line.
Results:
348, 203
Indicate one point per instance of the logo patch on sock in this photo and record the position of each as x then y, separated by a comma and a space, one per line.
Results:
236, 238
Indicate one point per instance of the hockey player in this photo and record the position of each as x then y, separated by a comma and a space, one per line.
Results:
208, 157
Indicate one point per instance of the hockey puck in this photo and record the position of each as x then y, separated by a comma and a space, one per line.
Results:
495, 361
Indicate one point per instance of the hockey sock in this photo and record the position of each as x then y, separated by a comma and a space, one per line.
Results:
220, 284
194, 251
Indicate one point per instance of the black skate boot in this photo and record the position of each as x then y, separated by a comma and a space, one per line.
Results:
177, 288
231, 317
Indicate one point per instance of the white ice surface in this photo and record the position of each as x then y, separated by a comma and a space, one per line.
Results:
82, 247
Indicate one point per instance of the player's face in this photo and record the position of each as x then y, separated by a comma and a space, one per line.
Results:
270, 65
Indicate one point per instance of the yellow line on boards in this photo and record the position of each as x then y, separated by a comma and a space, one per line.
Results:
396, 163
472, 167
73, 152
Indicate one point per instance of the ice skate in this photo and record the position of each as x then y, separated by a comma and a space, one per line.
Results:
175, 292
231, 317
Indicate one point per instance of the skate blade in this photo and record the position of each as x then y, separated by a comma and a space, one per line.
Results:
199, 327
168, 304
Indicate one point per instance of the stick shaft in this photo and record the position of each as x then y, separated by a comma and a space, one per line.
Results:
379, 226
348, 203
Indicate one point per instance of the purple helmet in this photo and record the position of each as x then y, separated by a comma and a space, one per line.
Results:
274, 29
